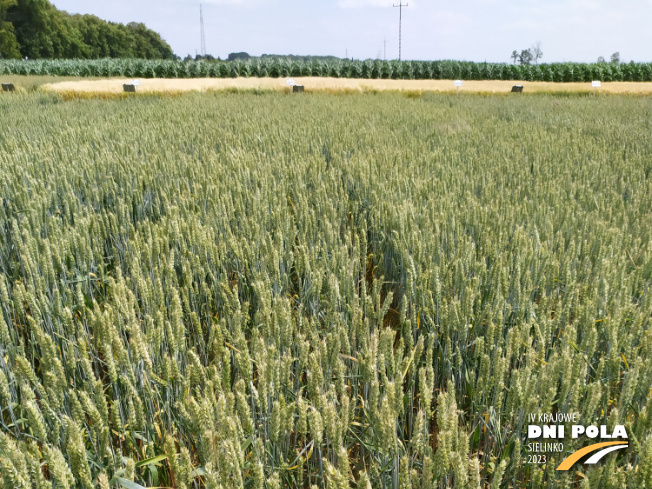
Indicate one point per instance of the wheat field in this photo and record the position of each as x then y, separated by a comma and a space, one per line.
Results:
256, 290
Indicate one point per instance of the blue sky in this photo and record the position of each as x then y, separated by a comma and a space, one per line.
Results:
474, 30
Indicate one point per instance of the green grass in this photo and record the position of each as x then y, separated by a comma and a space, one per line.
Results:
262, 290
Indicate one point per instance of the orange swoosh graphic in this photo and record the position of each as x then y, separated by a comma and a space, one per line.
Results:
574, 457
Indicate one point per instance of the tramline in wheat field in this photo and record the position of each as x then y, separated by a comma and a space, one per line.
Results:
364, 291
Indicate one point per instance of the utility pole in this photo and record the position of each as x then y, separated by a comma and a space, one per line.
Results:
385, 49
400, 22
203, 36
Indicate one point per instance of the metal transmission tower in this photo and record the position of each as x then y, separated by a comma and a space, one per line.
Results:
400, 22
203, 35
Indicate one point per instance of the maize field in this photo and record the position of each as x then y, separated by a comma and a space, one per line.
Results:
261, 290
368, 69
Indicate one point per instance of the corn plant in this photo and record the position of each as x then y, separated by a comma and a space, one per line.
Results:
282, 67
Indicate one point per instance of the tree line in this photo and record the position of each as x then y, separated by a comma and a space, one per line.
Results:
534, 54
35, 29
287, 57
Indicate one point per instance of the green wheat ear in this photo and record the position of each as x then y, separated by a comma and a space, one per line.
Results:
260, 290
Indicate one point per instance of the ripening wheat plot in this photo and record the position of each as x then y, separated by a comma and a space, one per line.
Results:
264, 291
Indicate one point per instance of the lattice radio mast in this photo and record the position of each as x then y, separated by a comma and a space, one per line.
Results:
203, 35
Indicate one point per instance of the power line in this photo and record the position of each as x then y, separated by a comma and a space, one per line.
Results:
203, 35
400, 22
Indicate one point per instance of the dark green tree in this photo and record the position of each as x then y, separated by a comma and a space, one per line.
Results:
147, 43
234, 56
526, 57
41, 31
9, 47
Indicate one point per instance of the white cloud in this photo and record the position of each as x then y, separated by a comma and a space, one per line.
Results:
587, 4
363, 3
225, 2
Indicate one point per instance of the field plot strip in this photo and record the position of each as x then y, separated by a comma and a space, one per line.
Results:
313, 84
